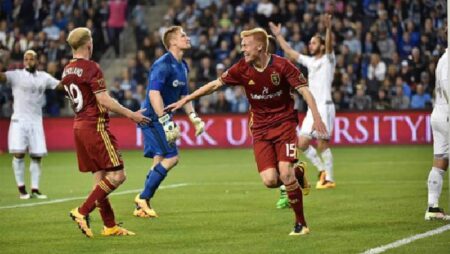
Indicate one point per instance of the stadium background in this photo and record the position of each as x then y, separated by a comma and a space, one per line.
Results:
386, 53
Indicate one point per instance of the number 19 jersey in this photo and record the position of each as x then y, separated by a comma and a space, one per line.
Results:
82, 79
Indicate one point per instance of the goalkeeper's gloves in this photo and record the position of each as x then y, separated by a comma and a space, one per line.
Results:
197, 122
170, 128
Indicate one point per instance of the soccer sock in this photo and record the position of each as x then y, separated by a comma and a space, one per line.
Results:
311, 154
282, 191
101, 190
35, 170
296, 200
107, 213
154, 179
327, 157
435, 180
19, 170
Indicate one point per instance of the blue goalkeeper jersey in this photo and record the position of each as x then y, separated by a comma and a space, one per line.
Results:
169, 77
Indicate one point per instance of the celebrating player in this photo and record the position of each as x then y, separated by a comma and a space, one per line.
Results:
96, 147
26, 131
267, 80
321, 67
440, 128
167, 84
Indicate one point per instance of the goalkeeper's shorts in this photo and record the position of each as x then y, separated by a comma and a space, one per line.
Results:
155, 143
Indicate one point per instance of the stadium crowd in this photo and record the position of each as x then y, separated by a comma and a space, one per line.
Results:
386, 51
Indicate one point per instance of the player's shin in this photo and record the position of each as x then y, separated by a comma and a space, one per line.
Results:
327, 157
101, 190
435, 180
19, 170
106, 212
311, 154
154, 179
35, 171
296, 200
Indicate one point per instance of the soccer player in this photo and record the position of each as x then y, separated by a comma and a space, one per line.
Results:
95, 145
167, 83
321, 67
440, 128
26, 131
267, 80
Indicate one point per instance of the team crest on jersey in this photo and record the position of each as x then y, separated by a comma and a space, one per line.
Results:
101, 82
275, 78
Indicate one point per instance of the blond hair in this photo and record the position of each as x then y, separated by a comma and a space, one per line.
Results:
78, 37
30, 52
168, 35
259, 34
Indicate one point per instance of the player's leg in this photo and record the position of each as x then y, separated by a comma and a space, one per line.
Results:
294, 192
17, 144
327, 114
165, 157
37, 149
437, 172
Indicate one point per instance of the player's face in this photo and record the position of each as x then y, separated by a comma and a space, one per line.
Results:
250, 48
314, 46
183, 41
29, 61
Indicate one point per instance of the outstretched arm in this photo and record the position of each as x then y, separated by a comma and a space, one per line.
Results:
204, 90
290, 52
106, 101
318, 125
328, 39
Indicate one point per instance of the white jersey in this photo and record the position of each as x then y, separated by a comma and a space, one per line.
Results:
28, 90
320, 76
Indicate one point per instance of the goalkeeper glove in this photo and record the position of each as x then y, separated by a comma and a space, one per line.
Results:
170, 129
197, 122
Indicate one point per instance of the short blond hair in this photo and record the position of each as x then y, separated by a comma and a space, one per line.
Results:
259, 34
30, 52
168, 35
78, 37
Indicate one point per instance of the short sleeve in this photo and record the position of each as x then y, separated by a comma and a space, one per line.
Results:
231, 76
294, 76
97, 82
158, 76
305, 60
50, 81
10, 76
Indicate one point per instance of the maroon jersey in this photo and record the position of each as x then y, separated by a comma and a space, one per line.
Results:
268, 92
82, 79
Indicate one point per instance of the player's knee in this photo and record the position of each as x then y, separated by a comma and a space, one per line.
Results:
303, 143
19, 155
287, 178
117, 178
36, 159
270, 183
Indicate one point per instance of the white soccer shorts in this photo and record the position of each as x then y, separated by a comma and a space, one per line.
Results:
439, 126
327, 113
26, 136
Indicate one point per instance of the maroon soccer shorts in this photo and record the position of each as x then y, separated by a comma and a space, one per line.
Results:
275, 145
97, 150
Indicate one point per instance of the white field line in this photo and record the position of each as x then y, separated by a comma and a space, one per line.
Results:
61, 200
407, 240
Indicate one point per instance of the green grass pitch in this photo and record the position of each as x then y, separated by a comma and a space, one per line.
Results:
217, 204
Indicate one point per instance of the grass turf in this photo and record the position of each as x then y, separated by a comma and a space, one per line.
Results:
221, 206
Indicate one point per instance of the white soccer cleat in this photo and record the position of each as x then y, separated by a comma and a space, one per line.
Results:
24, 196
436, 213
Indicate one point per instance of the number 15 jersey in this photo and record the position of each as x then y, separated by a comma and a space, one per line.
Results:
82, 79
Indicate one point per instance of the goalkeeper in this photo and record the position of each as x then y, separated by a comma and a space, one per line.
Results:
167, 84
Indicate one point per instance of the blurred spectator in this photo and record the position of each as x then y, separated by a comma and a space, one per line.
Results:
421, 99
116, 22
399, 100
360, 101
382, 102
130, 102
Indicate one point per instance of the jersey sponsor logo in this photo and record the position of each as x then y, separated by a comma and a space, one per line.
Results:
266, 95
251, 82
177, 83
275, 78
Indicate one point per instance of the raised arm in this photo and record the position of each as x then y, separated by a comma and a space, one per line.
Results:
106, 101
328, 39
209, 88
276, 31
